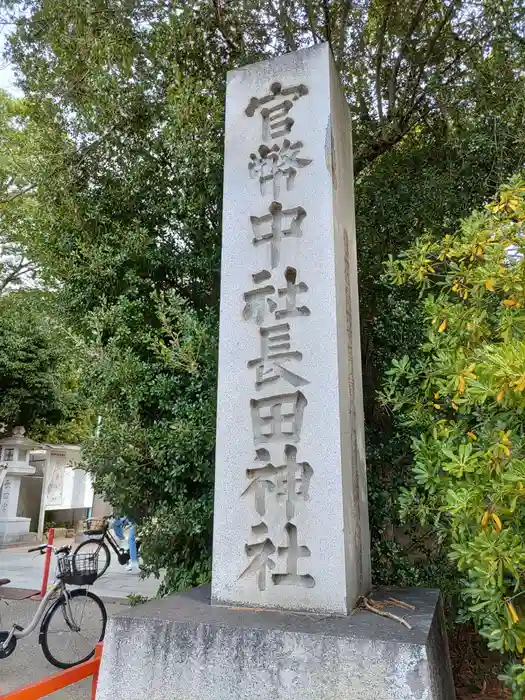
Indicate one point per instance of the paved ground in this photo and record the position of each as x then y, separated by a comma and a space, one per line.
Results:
25, 571
28, 664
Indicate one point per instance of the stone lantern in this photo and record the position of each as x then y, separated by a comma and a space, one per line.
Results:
14, 464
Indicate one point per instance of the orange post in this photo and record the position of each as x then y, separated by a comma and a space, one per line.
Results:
98, 659
59, 680
47, 563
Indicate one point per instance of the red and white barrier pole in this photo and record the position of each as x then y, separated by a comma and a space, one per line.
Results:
47, 563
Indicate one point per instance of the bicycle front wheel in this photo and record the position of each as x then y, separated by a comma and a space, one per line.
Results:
72, 627
98, 547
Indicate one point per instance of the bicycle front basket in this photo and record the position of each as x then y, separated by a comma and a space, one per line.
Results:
94, 526
78, 570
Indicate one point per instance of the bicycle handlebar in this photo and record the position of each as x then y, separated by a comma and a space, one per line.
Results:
42, 548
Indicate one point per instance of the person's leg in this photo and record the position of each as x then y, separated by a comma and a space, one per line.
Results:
117, 528
133, 558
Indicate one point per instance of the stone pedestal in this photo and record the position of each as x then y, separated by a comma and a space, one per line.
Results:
13, 529
183, 648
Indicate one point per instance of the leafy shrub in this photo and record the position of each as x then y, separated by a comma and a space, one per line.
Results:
463, 395
153, 456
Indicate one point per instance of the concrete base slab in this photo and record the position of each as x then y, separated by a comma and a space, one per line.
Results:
184, 648
14, 533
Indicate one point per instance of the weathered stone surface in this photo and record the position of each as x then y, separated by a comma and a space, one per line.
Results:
183, 648
291, 515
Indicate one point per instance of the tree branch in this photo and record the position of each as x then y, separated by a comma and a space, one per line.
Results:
342, 34
413, 25
416, 103
21, 269
364, 114
379, 63
220, 26
384, 613
328, 27
431, 44
20, 192
311, 21
281, 18
384, 144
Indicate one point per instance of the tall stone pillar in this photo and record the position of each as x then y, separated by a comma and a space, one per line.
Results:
291, 515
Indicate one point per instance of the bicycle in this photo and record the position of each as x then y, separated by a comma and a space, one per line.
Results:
98, 547
67, 615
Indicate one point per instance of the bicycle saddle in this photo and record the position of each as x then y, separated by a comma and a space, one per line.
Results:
4, 581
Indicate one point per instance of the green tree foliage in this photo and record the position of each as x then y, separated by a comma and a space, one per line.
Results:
125, 105
463, 395
38, 371
15, 269
40, 360
27, 362
154, 378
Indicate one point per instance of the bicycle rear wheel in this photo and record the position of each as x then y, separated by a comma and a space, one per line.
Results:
98, 547
72, 628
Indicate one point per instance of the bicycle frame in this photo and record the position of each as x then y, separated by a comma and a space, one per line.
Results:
108, 536
112, 542
105, 534
58, 588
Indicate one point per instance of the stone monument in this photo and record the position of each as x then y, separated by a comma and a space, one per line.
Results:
291, 554
290, 431
14, 464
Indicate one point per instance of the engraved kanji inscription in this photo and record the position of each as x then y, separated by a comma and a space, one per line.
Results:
279, 223
275, 352
260, 485
275, 107
258, 301
260, 554
290, 292
273, 166
293, 552
278, 418
288, 482
260, 305
6, 489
